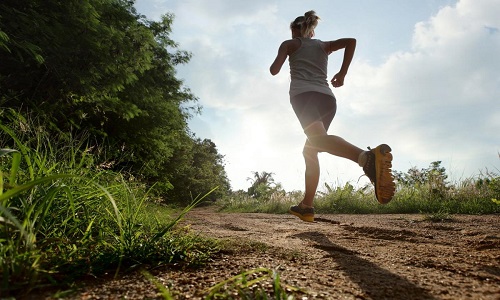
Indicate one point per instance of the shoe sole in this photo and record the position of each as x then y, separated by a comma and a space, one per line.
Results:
302, 217
384, 189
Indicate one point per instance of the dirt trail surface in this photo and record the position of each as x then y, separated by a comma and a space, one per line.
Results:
339, 257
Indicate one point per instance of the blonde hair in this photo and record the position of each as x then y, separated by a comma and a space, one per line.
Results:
306, 23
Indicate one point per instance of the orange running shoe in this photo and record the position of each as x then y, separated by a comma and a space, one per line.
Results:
378, 168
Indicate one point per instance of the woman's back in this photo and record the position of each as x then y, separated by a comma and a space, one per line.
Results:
308, 68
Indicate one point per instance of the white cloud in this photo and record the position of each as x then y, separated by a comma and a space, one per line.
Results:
435, 100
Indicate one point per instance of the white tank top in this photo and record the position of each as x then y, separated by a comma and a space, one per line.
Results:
308, 68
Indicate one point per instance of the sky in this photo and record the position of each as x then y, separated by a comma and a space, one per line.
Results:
425, 79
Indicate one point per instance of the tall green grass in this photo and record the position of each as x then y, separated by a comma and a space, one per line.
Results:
63, 216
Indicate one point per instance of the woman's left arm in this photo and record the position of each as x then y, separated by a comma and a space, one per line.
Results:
280, 58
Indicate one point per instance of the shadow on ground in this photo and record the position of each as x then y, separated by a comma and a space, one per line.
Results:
375, 281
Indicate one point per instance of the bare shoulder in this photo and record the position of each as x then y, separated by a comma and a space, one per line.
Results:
291, 45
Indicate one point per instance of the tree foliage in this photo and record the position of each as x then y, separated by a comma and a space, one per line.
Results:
435, 174
263, 185
199, 171
98, 66
434, 178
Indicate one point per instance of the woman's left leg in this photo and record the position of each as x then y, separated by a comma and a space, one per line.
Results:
312, 173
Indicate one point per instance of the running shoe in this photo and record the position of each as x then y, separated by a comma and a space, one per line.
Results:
305, 214
378, 169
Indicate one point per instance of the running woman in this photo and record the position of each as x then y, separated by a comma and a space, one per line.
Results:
315, 106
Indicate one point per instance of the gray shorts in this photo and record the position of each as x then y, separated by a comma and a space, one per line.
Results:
314, 106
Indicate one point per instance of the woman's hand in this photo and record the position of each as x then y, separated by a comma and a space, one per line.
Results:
338, 80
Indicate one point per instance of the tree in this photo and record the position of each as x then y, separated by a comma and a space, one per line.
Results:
97, 66
262, 184
71, 58
199, 169
434, 177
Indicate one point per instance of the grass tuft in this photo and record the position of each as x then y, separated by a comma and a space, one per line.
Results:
251, 284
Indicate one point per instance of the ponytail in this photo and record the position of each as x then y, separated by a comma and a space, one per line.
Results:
310, 22
306, 23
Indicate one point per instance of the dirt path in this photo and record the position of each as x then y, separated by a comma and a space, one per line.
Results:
342, 257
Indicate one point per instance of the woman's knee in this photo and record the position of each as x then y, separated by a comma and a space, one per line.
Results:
310, 153
315, 129
319, 142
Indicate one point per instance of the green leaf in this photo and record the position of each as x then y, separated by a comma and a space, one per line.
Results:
29, 185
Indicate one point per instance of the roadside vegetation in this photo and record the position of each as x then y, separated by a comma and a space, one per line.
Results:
63, 218
425, 191
97, 162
